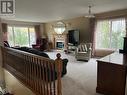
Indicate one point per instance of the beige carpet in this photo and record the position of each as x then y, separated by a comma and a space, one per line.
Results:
81, 77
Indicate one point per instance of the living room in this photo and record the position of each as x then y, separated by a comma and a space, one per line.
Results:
81, 77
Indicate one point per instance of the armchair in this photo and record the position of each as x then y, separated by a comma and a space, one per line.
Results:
41, 44
83, 51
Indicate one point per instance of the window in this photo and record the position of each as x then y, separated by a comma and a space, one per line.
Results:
110, 33
21, 36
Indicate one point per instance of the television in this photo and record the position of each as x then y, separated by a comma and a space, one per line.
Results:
73, 37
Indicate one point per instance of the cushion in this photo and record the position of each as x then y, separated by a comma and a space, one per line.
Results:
34, 51
6, 44
31, 50
82, 48
85, 48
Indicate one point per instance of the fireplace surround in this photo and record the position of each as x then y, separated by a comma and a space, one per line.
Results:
60, 41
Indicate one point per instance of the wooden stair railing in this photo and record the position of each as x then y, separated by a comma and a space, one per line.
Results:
35, 72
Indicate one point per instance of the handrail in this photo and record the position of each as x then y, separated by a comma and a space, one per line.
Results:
35, 72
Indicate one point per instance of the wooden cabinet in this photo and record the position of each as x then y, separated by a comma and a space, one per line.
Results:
111, 74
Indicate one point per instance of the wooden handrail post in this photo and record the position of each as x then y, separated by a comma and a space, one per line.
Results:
58, 68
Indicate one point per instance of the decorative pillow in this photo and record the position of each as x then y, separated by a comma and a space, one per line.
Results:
6, 44
79, 48
83, 48
86, 48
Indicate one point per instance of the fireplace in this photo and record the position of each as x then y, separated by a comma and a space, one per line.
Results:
59, 45
60, 41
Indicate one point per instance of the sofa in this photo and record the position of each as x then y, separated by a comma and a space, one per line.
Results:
43, 54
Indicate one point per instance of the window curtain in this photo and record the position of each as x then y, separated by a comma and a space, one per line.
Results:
92, 29
110, 33
37, 31
4, 30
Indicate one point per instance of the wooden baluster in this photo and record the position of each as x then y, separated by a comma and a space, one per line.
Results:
28, 67
41, 82
28, 62
25, 67
32, 73
48, 71
46, 77
54, 74
27, 70
50, 74
35, 81
43, 68
38, 78
35, 74
53, 89
58, 67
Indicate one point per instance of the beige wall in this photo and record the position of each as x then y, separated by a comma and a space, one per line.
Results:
80, 23
14, 86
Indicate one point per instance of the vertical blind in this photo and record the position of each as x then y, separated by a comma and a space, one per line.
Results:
110, 33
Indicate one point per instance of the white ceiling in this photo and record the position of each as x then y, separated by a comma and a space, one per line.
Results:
51, 10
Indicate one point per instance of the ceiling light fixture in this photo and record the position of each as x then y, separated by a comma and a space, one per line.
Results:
89, 15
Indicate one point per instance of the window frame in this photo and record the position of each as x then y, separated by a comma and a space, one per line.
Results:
110, 32
28, 31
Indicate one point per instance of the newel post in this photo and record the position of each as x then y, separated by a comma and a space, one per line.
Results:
58, 67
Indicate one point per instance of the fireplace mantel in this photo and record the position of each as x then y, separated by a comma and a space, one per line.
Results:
60, 41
